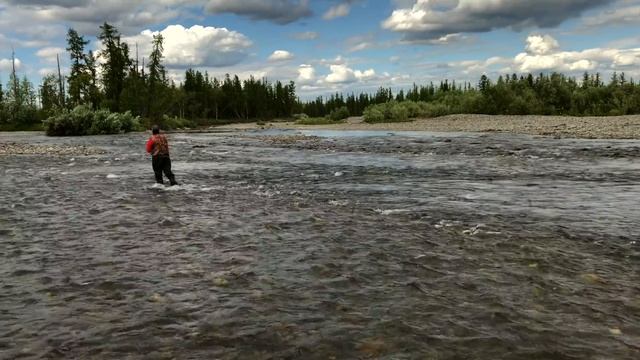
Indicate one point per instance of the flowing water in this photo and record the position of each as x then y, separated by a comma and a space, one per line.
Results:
346, 245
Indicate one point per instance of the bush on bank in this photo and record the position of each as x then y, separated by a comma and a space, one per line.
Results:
83, 120
339, 114
392, 111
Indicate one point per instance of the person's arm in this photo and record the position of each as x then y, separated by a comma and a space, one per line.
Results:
150, 145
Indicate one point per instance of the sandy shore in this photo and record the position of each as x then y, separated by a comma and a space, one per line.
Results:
618, 127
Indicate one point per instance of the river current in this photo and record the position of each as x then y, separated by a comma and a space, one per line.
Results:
337, 245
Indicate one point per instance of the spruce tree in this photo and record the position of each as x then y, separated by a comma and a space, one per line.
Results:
79, 80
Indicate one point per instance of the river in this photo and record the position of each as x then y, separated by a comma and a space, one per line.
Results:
331, 245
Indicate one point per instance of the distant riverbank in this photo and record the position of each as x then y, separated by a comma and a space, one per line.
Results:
613, 127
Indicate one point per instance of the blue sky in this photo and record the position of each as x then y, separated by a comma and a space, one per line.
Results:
340, 45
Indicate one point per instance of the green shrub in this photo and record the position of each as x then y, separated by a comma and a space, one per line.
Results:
298, 117
434, 109
398, 113
173, 123
373, 114
82, 120
413, 109
387, 112
318, 121
339, 114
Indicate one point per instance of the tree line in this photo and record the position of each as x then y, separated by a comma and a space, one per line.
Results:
526, 94
120, 83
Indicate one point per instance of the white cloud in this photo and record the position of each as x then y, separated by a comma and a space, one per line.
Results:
307, 35
365, 75
279, 11
46, 17
338, 60
280, 55
433, 19
196, 46
363, 42
49, 53
47, 71
541, 45
620, 16
342, 74
543, 54
6, 65
337, 11
306, 74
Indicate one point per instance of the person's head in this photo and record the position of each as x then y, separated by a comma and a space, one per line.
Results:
155, 129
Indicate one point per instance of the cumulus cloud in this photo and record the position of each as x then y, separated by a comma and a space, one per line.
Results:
49, 53
280, 55
6, 65
278, 11
578, 61
342, 74
434, 19
196, 46
306, 74
543, 54
47, 18
541, 45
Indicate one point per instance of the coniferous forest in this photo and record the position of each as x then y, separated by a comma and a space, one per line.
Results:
121, 93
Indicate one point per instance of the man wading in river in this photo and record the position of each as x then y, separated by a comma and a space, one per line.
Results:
158, 147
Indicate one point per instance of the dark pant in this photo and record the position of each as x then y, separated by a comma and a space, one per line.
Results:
162, 163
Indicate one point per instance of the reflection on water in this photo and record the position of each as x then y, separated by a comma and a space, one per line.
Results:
442, 246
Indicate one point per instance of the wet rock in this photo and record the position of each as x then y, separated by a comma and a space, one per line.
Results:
593, 279
157, 298
373, 347
220, 282
615, 331
52, 150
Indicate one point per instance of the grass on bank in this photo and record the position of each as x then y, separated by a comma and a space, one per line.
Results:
318, 121
337, 116
404, 111
22, 127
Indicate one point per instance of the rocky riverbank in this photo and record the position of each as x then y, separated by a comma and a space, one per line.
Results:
51, 149
613, 127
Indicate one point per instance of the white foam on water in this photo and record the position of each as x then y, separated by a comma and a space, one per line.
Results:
446, 223
480, 229
112, 176
338, 174
391, 211
338, 202
266, 193
186, 188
